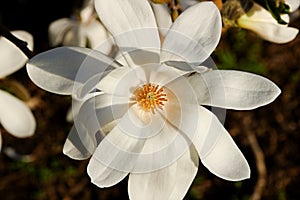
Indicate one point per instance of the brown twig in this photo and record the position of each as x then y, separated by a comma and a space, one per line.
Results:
260, 164
22, 45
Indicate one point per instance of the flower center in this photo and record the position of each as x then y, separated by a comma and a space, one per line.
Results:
149, 97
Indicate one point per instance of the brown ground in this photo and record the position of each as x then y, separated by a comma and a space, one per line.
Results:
269, 136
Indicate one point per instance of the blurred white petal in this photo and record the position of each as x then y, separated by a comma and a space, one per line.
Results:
217, 150
262, 23
294, 4
58, 29
12, 58
190, 39
97, 36
15, 116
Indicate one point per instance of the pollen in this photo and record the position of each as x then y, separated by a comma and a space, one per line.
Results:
150, 97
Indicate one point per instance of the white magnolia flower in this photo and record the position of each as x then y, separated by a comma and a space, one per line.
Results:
146, 117
260, 21
15, 116
81, 31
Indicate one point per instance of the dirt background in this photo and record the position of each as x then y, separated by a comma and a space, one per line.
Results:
268, 136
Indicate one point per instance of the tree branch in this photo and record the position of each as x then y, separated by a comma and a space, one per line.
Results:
22, 45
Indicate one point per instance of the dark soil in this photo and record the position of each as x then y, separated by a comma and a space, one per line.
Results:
275, 128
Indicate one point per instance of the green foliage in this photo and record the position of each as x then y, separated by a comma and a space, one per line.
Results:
241, 54
281, 195
55, 170
194, 192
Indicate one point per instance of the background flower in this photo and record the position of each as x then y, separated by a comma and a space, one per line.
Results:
261, 21
15, 115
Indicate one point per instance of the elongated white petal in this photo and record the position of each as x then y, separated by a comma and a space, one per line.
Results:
58, 69
163, 17
191, 39
91, 124
12, 58
233, 89
171, 182
15, 116
133, 24
262, 23
217, 150
268, 31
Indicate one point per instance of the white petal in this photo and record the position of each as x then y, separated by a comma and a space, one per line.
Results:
171, 182
294, 4
12, 58
75, 37
123, 81
87, 11
102, 175
76, 147
172, 135
233, 89
57, 70
217, 150
97, 36
133, 24
15, 116
262, 23
191, 39
77, 103
91, 125
163, 17
123, 152
161, 150
58, 29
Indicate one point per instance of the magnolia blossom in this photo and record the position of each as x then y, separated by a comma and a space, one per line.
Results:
87, 30
84, 30
15, 116
261, 21
145, 115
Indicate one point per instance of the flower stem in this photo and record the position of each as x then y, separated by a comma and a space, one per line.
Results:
22, 45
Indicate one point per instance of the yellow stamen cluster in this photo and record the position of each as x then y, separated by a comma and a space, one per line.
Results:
149, 97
